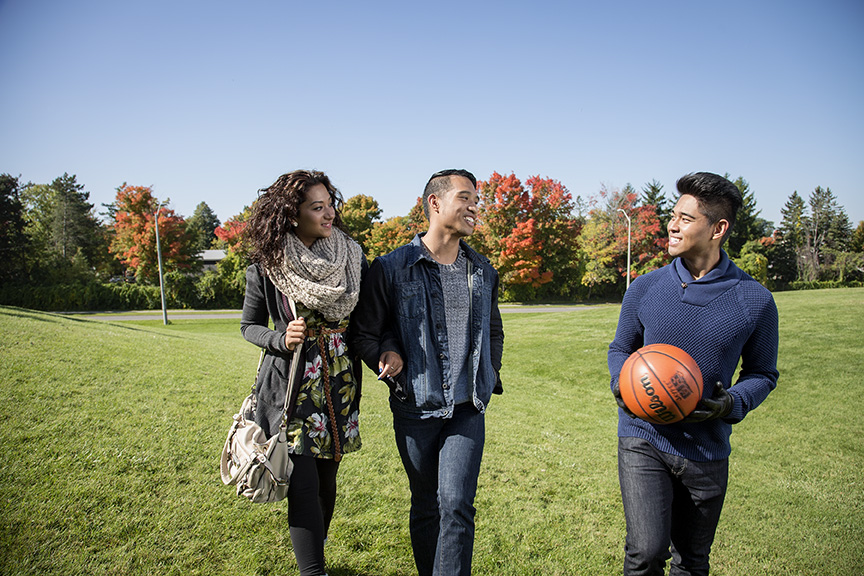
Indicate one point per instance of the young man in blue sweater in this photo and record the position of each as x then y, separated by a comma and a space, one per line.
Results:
674, 477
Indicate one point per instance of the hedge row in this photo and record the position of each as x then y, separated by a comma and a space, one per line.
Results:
802, 285
205, 292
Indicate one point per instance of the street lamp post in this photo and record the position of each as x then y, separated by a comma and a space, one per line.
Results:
159, 258
628, 246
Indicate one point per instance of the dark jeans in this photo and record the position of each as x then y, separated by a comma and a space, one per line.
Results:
668, 499
442, 460
311, 498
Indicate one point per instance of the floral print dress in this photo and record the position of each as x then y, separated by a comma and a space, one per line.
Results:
311, 429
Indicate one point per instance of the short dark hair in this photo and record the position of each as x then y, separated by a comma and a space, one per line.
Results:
438, 185
719, 199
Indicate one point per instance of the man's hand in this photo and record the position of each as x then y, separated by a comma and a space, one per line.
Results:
718, 406
296, 333
389, 364
616, 391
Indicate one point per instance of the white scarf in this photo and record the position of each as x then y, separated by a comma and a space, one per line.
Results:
324, 277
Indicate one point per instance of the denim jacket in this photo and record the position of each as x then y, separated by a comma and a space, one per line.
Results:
401, 309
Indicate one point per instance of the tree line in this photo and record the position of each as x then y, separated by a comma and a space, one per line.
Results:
61, 254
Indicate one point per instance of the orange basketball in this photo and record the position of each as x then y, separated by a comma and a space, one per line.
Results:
660, 383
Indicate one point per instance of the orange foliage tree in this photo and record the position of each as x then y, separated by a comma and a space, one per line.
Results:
231, 270
394, 232
230, 233
529, 234
603, 243
520, 256
134, 234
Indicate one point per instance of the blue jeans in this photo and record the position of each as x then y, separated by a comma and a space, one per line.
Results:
668, 499
442, 460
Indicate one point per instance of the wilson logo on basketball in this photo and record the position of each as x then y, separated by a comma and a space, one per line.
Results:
655, 404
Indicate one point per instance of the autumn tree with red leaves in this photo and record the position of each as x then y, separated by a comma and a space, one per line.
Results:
529, 234
603, 242
230, 231
134, 234
230, 234
520, 256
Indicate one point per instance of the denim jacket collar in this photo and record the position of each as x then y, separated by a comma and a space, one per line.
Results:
418, 252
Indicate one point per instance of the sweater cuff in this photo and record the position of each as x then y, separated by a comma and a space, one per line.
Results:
737, 414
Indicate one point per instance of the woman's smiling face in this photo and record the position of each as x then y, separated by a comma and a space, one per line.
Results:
316, 214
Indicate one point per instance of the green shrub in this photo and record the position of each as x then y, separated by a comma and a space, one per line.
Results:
818, 285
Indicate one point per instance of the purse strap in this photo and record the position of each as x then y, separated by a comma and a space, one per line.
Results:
291, 309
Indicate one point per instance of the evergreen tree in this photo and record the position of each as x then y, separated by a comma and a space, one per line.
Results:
73, 226
653, 195
788, 254
67, 242
827, 233
748, 225
201, 226
13, 240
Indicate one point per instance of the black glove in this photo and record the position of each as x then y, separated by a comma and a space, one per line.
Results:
616, 391
718, 406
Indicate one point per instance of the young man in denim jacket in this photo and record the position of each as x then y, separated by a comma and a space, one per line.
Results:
428, 324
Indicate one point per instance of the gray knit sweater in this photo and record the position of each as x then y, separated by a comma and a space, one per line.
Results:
454, 283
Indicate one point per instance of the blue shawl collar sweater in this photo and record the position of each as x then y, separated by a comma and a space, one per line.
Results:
718, 319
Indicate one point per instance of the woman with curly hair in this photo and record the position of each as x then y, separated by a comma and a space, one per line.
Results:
300, 252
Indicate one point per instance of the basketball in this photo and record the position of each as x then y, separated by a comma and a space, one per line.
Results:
660, 383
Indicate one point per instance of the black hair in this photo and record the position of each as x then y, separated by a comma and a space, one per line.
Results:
719, 199
438, 185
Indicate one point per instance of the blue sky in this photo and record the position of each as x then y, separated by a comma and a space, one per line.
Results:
210, 101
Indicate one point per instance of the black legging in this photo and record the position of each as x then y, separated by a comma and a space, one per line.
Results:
311, 498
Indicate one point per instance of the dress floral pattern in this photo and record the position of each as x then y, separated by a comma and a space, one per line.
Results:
310, 431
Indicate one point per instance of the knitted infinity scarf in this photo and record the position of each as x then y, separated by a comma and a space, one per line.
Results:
325, 277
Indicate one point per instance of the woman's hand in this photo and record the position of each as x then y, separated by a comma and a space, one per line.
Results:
296, 333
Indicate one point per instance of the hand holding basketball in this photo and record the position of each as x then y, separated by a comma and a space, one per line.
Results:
718, 406
616, 392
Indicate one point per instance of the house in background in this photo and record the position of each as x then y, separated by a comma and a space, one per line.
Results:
209, 259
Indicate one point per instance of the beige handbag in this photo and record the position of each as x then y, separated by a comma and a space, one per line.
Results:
258, 466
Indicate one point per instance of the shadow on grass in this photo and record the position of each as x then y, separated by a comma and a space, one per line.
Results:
124, 326
30, 315
53, 317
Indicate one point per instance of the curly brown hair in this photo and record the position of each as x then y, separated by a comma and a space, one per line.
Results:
277, 207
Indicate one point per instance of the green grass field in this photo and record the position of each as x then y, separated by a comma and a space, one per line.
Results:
111, 434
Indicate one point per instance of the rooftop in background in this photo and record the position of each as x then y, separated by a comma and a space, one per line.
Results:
209, 258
